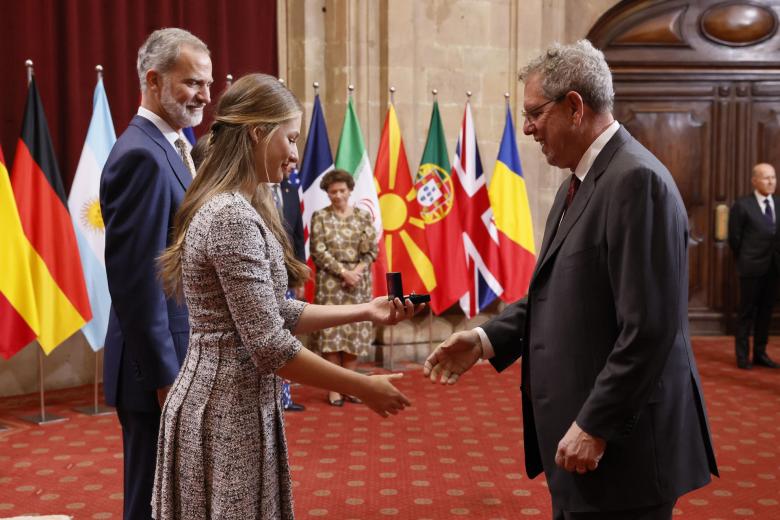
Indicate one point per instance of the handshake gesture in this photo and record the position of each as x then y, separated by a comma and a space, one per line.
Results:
577, 451
453, 357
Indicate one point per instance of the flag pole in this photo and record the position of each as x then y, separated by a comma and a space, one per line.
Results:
40, 418
229, 80
96, 408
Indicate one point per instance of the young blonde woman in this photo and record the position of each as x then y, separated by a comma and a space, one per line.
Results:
222, 451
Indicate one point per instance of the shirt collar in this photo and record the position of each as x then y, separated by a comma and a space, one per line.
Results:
593, 151
760, 198
169, 133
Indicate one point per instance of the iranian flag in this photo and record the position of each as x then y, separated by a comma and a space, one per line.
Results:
352, 157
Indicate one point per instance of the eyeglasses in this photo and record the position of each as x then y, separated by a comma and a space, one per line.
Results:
533, 115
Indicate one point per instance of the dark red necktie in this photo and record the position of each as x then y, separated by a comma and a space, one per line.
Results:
574, 185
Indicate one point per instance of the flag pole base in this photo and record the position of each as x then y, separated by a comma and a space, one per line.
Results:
43, 419
95, 410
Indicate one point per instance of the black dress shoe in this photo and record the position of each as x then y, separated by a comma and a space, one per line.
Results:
336, 402
744, 364
294, 407
764, 361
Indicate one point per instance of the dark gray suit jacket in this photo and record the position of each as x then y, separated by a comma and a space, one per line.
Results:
604, 338
755, 243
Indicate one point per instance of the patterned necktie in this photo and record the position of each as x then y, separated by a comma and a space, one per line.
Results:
574, 185
768, 213
186, 158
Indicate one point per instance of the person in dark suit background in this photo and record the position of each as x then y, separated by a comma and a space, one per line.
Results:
613, 410
141, 187
755, 242
289, 205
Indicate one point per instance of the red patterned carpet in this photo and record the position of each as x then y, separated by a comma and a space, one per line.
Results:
456, 453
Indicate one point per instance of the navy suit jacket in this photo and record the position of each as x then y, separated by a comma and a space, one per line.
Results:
142, 186
754, 242
293, 218
604, 339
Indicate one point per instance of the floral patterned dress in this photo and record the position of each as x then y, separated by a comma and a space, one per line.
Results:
336, 244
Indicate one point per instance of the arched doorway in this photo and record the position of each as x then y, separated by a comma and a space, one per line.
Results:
698, 83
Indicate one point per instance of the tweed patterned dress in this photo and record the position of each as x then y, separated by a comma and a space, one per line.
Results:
222, 452
341, 243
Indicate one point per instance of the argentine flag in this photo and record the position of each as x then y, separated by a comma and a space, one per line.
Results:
84, 206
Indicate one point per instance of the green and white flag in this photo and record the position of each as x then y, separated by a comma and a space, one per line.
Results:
353, 158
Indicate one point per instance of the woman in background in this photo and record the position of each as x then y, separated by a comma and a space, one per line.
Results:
222, 451
343, 247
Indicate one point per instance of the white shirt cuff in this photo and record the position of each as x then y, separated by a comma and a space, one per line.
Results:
487, 348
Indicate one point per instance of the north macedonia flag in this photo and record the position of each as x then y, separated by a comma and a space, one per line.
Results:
403, 246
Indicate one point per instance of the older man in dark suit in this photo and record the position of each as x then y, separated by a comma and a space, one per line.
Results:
755, 242
142, 185
612, 404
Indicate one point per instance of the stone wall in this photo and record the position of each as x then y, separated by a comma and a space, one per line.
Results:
416, 46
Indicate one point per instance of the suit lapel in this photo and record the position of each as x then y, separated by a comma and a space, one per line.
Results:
180, 171
554, 233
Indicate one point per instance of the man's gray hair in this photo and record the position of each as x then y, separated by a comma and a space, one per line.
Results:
579, 67
161, 50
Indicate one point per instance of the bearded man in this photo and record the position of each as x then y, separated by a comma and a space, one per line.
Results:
142, 185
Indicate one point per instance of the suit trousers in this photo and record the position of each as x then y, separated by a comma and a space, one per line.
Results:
139, 438
757, 295
656, 512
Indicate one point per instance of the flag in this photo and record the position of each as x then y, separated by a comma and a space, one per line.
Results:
317, 161
60, 292
352, 157
18, 311
480, 236
404, 247
436, 195
84, 205
188, 132
512, 214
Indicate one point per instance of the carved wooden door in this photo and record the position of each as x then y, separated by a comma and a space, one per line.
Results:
696, 82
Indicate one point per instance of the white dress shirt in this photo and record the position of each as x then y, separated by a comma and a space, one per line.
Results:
761, 198
169, 133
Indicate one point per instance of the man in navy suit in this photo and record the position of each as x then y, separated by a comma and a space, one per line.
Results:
754, 239
613, 411
289, 205
142, 185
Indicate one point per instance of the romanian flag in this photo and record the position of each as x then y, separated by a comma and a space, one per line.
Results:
436, 195
404, 246
60, 293
509, 200
18, 312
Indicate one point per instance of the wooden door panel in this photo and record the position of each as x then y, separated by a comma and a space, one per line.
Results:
679, 133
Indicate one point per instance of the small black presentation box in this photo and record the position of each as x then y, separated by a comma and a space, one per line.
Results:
395, 289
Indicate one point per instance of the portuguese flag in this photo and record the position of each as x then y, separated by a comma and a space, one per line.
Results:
60, 293
436, 195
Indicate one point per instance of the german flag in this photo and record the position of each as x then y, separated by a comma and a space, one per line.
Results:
60, 292
18, 312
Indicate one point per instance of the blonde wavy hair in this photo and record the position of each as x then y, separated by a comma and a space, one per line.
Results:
256, 101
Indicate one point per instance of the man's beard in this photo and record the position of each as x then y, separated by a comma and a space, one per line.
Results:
178, 112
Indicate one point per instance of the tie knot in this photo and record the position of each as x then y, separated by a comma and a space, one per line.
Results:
574, 185
186, 158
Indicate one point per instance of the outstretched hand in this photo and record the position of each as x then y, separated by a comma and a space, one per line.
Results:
384, 398
389, 312
453, 357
